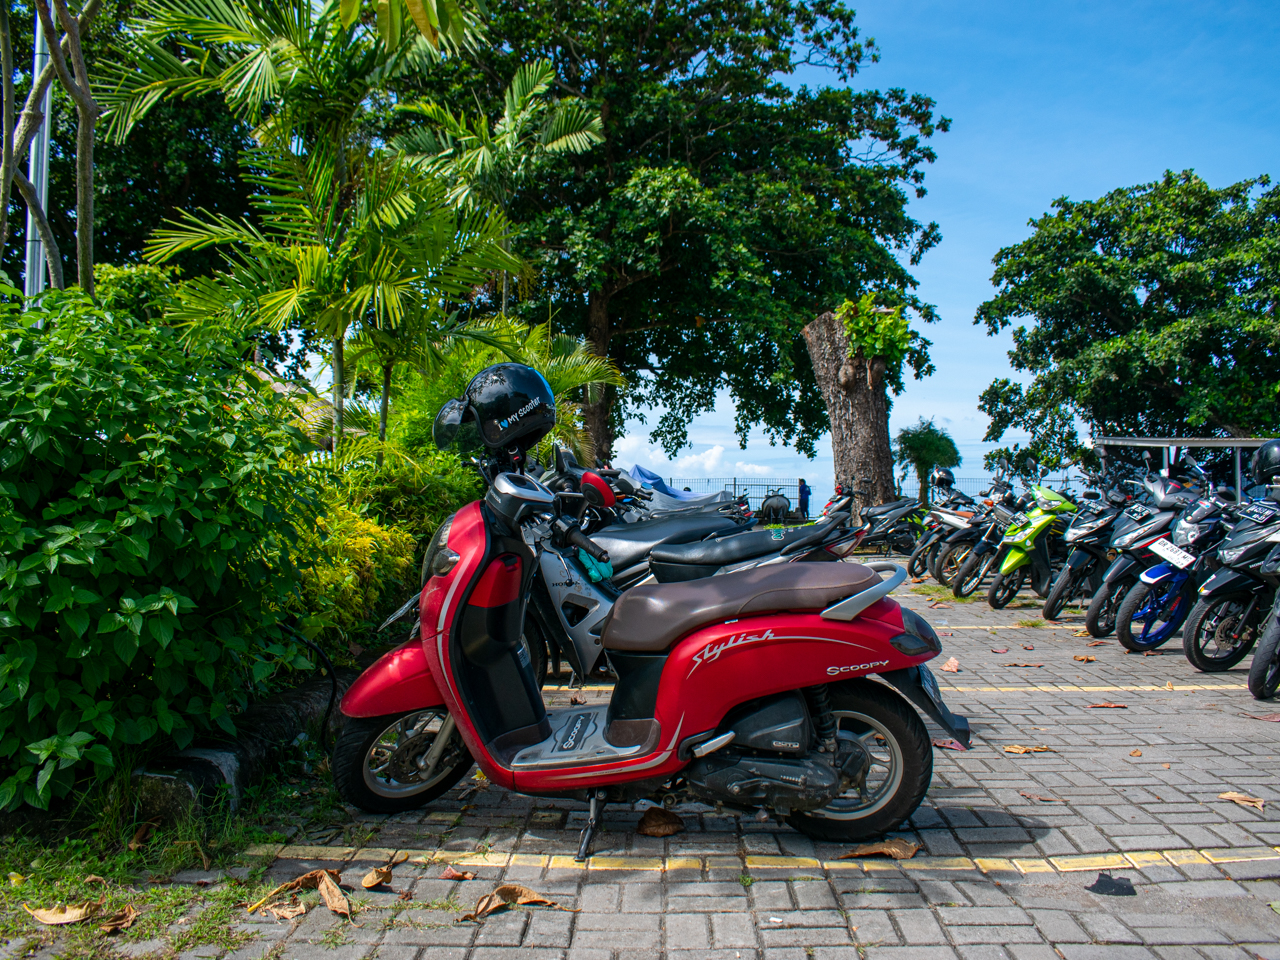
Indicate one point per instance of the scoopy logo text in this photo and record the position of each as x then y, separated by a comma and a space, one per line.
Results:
855, 668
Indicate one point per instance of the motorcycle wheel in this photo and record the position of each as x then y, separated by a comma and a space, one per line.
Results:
1100, 620
950, 560
1264, 673
539, 655
1208, 639
970, 576
375, 761
1003, 589
918, 564
1149, 618
901, 765
1063, 590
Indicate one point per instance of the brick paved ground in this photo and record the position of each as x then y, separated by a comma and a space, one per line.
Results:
1000, 875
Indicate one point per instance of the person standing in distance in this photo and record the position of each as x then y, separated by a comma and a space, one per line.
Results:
805, 492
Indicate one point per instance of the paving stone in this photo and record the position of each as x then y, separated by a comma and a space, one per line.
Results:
733, 930
686, 931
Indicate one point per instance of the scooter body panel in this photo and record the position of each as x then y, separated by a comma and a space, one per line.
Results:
1226, 580
1158, 574
400, 680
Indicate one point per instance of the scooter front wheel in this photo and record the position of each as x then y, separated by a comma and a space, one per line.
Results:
389, 764
1100, 620
901, 765
1264, 673
1004, 587
1150, 616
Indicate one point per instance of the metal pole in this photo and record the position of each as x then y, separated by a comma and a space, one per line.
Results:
38, 174
1239, 490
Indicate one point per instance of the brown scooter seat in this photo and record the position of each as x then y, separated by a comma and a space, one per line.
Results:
649, 618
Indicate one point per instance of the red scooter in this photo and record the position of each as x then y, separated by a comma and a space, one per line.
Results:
749, 690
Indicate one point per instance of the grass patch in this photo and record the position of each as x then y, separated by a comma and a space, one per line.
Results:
937, 591
1029, 624
50, 857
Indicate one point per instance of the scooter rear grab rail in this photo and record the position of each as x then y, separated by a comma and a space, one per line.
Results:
852, 607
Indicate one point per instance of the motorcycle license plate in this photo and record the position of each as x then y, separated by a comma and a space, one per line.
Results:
1175, 555
930, 684
1019, 520
1259, 512
1138, 512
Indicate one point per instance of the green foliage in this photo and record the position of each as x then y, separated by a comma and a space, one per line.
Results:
881, 331
723, 209
147, 506
140, 290
924, 447
1152, 314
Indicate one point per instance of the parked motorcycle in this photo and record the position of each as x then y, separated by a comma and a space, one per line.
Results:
1032, 547
1140, 525
1264, 672
775, 507
725, 693
950, 509
1088, 538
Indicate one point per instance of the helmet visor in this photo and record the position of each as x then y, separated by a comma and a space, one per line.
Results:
448, 423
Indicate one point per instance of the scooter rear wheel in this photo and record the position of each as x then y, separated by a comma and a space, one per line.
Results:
901, 769
1264, 673
376, 761
951, 560
1064, 588
918, 565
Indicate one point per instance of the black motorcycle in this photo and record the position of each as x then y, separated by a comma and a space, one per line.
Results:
1087, 538
1264, 673
1234, 602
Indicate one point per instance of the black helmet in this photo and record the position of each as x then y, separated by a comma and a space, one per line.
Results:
511, 404
942, 477
1266, 463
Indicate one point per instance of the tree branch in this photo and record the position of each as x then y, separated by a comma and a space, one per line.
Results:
6, 130
51, 252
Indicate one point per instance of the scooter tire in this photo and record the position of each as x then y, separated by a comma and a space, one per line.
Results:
918, 564
1203, 624
350, 762
1133, 602
1003, 589
970, 576
1100, 619
950, 559
883, 713
1059, 596
1264, 673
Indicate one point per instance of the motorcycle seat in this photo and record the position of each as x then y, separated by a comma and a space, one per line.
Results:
723, 550
629, 544
887, 507
650, 618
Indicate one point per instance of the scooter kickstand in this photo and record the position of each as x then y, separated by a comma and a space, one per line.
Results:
589, 831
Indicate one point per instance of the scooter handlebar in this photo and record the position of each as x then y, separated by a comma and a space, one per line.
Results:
574, 537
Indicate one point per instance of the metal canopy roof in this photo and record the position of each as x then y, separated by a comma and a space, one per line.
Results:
1181, 441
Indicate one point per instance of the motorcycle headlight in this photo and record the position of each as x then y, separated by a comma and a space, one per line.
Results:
1235, 549
1232, 554
1078, 530
1185, 532
1129, 539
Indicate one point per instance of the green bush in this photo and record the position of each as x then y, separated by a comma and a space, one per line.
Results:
146, 541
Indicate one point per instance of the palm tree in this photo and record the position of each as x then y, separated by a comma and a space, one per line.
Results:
398, 247
491, 163
925, 447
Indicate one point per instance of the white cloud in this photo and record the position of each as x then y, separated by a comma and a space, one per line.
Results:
708, 463
752, 469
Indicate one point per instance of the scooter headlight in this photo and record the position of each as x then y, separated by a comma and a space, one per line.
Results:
919, 638
439, 559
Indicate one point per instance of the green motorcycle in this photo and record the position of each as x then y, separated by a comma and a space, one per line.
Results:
1032, 547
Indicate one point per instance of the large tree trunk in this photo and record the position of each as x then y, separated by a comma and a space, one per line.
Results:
596, 416
853, 388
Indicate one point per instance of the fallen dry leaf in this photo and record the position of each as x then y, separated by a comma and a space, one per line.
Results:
941, 633
1270, 717
94, 878
1135, 753
326, 881
15, 879
951, 666
1083, 633
939, 605
405, 895
1028, 646
896, 847
657, 822
354, 649
120, 920
1086, 659
999, 649
1166, 766
1022, 664
1097, 643
1153, 653
504, 896
917, 579
140, 836
949, 744
287, 911
1108, 705
380, 875
1036, 796
1169, 685
1243, 799
578, 699
452, 874
1019, 748
59, 916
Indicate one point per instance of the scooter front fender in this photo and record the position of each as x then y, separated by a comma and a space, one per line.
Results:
1014, 559
1121, 567
1153, 576
919, 686
400, 680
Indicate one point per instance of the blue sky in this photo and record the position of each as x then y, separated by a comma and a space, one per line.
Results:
1046, 99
